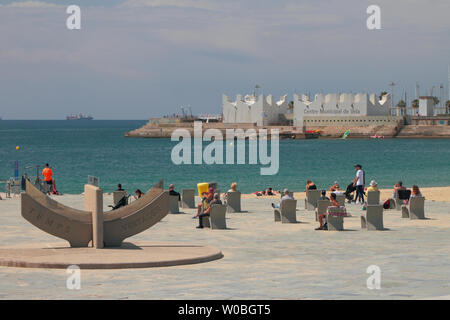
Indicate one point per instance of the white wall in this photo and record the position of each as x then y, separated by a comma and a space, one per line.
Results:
261, 110
340, 105
426, 106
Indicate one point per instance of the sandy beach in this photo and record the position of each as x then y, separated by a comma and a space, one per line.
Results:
433, 194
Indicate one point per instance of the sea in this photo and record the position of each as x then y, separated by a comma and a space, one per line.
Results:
78, 149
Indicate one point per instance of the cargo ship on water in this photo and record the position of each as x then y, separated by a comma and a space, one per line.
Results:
79, 117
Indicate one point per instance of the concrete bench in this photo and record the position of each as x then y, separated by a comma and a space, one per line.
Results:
372, 219
233, 201
322, 206
217, 216
415, 208
188, 198
335, 218
340, 198
173, 204
311, 199
287, 213
373, 198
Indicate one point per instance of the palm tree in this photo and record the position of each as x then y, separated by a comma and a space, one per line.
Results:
447, 105
401, 104
435, 101
415, 104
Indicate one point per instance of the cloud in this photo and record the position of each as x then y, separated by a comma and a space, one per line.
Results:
144, 51
32, 4
197, 4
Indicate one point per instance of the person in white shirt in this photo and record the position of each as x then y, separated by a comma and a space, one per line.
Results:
359, 182
286, 196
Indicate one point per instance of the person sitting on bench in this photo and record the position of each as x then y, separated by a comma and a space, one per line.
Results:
398, 186
310, 186
139, 194
172, 192
415, 192
323, 195
286, 196
334, 203
207, 211
206, 198
373, 186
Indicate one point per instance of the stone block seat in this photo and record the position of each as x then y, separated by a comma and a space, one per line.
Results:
287, 213
373, 197
188, 198
174, 206
335, 218
233, 201
415, 209
311, 199
372, 219
216, 218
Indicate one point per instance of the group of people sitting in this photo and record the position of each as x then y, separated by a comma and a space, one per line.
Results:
138, 193
209, 199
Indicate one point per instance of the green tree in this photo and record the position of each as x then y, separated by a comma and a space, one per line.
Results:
435, 100
447, 105
401, 104
415, 103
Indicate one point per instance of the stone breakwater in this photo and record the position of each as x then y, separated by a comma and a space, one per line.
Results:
165, 130
150, 130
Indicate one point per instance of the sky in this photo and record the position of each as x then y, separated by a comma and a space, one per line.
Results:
135, 59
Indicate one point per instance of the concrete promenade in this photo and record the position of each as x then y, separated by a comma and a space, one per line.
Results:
262, 259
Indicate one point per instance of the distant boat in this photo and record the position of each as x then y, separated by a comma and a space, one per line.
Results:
79, 117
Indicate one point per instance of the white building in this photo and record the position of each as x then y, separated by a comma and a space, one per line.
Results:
261, 110
340, 106
325, 110
426, 106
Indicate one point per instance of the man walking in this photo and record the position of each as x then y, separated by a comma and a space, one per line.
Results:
359, 182
48, 180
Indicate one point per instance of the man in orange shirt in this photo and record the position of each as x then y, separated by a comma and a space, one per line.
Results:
48, 174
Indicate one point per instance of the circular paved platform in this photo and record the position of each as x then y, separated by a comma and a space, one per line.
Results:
129, 255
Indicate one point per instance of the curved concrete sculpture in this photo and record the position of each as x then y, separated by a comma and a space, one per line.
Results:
136, 217
76, 226
52, 217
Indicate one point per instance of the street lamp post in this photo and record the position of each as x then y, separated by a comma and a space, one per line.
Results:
392, 85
